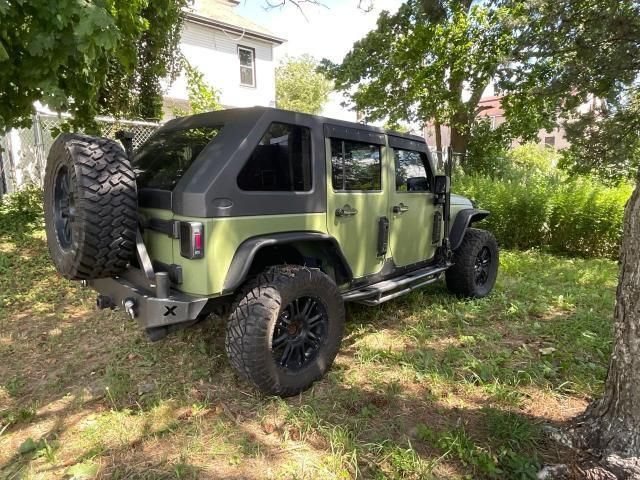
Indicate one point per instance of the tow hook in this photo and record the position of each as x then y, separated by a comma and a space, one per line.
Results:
129, 305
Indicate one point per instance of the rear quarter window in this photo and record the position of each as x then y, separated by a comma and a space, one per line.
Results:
166, 156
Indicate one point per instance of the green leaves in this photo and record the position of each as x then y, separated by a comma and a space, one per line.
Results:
534, 206
300, 86
86, 57
202, 96
427, 62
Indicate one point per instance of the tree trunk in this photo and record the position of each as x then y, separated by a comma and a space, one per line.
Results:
611, 425
438, 129
459, 143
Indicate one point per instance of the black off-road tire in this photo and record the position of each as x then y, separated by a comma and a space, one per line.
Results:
462, 278
253, 318
96, 237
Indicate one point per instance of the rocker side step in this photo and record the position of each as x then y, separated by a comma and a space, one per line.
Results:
392, 288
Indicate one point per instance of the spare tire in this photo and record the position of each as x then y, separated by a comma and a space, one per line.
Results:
90, 207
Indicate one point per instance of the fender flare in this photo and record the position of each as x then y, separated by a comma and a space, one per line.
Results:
463, 220
246, 252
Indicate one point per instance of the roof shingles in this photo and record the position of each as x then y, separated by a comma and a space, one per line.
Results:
222, 12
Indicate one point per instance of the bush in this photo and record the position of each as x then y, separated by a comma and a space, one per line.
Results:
586, 217
574, 215
21, 212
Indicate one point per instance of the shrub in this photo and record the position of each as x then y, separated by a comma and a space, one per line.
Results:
586, 217
21, 212
519, 212
574, 215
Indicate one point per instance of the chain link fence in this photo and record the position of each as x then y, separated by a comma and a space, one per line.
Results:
24, 150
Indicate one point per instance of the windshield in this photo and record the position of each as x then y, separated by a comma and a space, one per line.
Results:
166, 156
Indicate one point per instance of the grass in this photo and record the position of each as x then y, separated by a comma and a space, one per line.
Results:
427, 386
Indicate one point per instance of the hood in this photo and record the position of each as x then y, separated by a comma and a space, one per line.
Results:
460, 200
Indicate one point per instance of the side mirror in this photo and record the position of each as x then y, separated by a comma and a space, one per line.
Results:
441, 185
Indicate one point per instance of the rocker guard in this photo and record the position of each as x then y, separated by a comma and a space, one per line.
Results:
147, 309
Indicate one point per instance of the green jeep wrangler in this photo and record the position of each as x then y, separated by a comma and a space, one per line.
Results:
270, 218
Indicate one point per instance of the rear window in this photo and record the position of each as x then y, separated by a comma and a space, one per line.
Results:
166, 156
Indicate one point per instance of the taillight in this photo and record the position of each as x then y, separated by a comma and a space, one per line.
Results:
191, 240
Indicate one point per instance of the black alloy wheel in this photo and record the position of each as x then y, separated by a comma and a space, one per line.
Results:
90, 207
63, 208
482, 267
299, 332
475, 265
285, 328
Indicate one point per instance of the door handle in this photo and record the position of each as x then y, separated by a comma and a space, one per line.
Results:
346, 211
400, 208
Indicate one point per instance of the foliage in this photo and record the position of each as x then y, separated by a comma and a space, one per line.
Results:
572, 215
567, 52
605, 143
202, 96
416, 64
21, 212
534, 158
133, 87
396, 127
487, 151
492, 158
433, 60
85, 58
300, 86
557, 68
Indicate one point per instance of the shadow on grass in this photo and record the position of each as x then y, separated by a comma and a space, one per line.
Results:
424, 385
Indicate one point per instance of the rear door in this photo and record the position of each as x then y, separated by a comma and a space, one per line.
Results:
356, 196
411, 204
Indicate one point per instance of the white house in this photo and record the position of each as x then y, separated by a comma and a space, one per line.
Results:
235, 55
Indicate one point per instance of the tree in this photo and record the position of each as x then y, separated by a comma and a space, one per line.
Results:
611, 425
135, 91
202, 96
431, 60
566, 53
593, 47
81, 57
605, 142
300, 87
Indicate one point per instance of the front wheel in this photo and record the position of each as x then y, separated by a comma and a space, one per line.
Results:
285, 329
475, 266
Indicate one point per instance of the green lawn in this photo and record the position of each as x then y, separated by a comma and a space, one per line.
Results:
425, 386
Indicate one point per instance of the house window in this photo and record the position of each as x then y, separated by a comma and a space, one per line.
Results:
247, 58
550, 142
355, 165
281, 162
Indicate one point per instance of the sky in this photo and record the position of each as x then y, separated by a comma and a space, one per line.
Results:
326, 32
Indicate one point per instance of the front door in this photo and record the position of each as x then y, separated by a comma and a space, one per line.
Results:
356, 200
411, 207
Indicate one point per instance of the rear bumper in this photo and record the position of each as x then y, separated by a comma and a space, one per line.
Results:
141, 303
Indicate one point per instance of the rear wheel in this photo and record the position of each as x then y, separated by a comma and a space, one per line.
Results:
475, 266
285, 329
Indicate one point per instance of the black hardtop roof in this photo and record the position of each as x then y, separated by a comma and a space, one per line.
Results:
229, 115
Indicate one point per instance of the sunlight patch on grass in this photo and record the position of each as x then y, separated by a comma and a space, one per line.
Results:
479, 375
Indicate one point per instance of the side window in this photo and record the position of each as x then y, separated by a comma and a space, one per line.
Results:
355, 165
281, 162
412, 171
